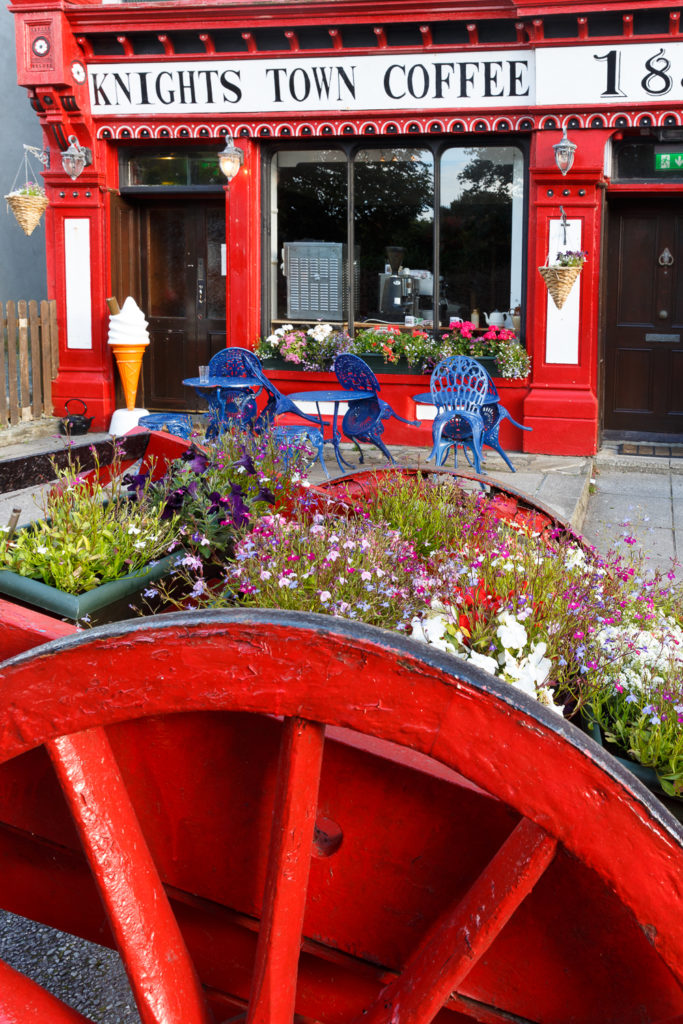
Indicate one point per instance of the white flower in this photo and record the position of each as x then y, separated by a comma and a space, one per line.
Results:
484, 661
511, 632
434, 628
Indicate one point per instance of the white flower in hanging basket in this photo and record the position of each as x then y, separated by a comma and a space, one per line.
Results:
560, 276
28, 203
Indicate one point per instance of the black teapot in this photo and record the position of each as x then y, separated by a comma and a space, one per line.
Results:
75, 422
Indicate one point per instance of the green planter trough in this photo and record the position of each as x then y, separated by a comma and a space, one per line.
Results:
106, 603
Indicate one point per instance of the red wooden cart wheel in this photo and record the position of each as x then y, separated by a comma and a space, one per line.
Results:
288, 814
511, 503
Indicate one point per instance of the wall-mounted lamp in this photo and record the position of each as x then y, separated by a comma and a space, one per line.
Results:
230, 159
76, 158
564, 153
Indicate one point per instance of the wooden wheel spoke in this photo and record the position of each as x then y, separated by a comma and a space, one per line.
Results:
279, 942
159, 967
463, 933
22, 1000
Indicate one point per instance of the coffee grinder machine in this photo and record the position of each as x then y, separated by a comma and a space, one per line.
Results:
397, 292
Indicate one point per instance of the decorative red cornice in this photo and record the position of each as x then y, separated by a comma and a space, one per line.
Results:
371, 127
92, 15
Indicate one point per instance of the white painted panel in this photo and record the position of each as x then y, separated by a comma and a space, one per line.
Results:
425, 412
77, 274
562, 331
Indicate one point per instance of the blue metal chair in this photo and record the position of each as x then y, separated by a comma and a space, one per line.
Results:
493, 413
232, 406
276, 416
459, 387
364, 419
289, 434
177, 423
278, 404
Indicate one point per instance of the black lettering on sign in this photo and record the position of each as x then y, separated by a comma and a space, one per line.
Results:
612, 61
657, 83
100, 97
231, 87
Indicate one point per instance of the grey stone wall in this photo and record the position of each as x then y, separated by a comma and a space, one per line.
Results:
22, 259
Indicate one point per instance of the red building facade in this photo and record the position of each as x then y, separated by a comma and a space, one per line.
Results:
366, 126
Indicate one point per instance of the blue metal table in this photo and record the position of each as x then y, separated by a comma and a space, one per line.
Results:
215, 391
335, 398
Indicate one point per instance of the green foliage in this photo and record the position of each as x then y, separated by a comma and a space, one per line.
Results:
90, 535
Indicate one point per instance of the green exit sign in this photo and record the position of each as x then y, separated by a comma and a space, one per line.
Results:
669, 161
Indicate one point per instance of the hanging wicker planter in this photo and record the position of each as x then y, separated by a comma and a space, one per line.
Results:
28, 209
559, 282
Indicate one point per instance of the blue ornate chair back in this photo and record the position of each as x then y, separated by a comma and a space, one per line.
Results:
354, 374
234, 362
459, 383
459, 387
232, 406
363, 419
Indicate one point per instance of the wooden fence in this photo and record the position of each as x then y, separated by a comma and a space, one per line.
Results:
29, 358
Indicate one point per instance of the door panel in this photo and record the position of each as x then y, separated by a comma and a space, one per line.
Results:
644, 326
183, 292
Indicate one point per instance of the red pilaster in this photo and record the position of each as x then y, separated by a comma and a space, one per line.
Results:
243, 239
562, 404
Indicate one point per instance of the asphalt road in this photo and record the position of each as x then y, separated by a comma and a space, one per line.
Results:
89, 978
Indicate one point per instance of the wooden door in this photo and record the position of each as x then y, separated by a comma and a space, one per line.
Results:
644, 323
183, 294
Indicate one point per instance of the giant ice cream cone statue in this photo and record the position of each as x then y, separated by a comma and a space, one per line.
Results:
128, 337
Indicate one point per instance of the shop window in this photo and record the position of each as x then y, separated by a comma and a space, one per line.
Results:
482, 221
355, 237
178, 168
394, 231
650, 160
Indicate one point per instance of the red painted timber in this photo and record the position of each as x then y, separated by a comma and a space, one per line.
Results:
22, 628
24, 1002
454, 944
271, 664
159, 968
291, 841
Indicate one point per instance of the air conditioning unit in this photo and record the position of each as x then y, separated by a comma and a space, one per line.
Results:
316, 280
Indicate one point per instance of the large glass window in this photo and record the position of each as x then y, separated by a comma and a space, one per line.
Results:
481, 219
354, 238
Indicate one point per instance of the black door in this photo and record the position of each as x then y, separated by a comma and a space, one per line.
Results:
644, 324
183, 294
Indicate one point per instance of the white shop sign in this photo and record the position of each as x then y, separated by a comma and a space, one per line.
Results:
472, 79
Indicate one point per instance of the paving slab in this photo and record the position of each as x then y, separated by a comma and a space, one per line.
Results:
618, 481
632, 510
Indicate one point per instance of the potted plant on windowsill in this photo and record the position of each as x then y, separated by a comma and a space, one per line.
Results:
498, 349
292, 348
383, 348
560, 275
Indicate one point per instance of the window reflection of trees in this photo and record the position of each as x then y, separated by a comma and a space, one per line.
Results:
476, 229
394, 201
394, 196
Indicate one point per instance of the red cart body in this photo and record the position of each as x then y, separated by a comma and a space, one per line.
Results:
279, 816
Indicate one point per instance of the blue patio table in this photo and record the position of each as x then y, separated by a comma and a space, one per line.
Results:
212, 390
335, 398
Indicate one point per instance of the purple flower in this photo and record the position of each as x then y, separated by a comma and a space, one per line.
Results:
198, 460
135, 482
246, 463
